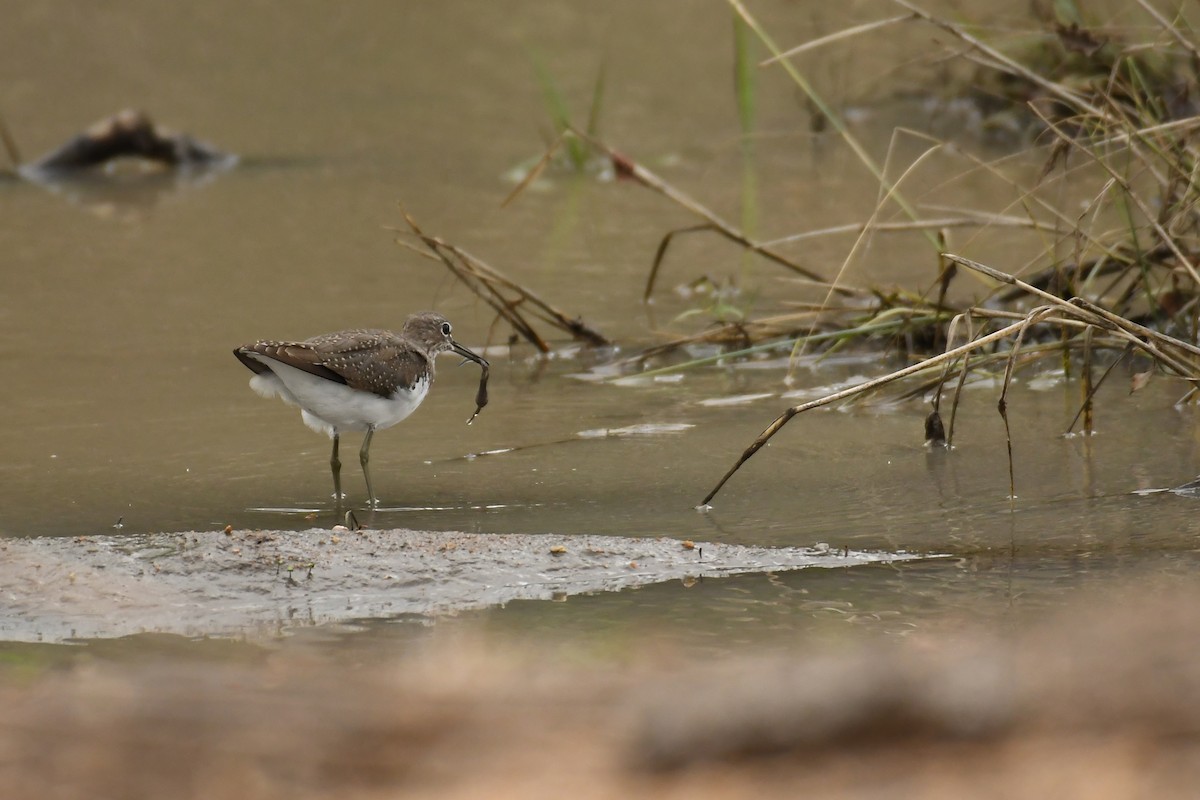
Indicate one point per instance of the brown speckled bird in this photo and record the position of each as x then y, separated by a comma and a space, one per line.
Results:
355, 380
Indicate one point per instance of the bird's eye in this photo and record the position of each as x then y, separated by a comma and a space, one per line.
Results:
445, 329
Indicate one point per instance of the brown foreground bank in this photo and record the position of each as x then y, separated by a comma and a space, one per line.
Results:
1101, 702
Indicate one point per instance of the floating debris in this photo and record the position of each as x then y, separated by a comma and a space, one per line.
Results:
644, 429
735, 400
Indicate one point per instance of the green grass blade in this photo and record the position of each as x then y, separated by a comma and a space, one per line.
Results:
556, 107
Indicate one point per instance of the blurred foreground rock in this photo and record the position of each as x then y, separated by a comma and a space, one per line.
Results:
1102, 702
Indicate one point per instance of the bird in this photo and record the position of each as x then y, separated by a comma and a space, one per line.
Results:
356, 380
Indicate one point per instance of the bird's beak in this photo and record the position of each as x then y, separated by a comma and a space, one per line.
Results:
467, 354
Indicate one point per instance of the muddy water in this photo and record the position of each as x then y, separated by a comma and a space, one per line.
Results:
120, 306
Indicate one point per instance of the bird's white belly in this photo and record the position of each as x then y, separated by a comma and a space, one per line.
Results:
328, 406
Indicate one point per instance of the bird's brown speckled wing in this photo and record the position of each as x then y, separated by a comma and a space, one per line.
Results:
370, 360
294, 354
374, 361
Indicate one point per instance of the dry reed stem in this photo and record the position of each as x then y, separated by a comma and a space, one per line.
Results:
1091, 388
757, 330
1108, 116
1084, 312
1088, 384
1032, 318
489, 284
825, 109
1174, 32
628, 168
977, 221
1138, 335
1008, 64
1031, 354
959, 319
533, 172
1135, 197
862, 388
845, 33
889, 190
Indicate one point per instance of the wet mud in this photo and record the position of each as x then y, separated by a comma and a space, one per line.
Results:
265, 582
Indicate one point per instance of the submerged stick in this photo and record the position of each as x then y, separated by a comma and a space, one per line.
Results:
1032, 318
958, 392
1091, 388
1088, 385
130, 133
1171, 29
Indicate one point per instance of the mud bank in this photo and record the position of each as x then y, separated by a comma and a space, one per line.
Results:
264, 582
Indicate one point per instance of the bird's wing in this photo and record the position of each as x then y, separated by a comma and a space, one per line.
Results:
300, 355
373, 361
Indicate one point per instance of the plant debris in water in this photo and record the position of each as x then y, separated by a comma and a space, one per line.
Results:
513, 303
1113, 109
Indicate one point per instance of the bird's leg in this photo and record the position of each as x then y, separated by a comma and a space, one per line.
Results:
335, 464
363, 457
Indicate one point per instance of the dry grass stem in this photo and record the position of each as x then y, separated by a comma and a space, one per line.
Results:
981, 220
516, 304
862, 388
1004, 62
1075, 312
839, 36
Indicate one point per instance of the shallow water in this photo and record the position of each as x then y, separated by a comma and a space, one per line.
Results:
123, 403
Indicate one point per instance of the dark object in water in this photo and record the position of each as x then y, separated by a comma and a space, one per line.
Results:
935, 432
129, 134
481, 397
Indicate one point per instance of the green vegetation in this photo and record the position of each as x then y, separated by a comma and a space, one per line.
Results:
578, 155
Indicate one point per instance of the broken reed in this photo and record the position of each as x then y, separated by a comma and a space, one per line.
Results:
1169, 353
1105, 107
519, 306
1108, 114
